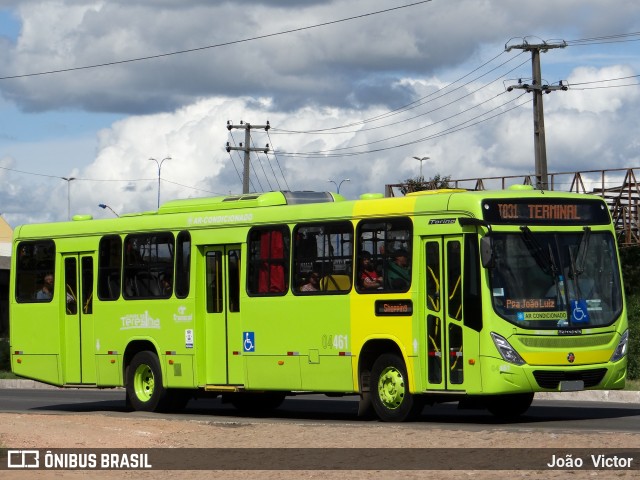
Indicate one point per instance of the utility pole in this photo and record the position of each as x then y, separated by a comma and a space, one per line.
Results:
247, 149
537, 87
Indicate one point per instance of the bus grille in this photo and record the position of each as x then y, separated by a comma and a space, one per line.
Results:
574, 341
551, 380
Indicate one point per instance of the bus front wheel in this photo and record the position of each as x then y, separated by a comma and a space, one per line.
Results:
391, 398
144, 382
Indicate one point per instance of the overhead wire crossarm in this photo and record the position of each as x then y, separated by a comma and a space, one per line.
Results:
538, 88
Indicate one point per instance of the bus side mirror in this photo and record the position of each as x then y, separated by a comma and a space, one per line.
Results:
486, 242
486, 252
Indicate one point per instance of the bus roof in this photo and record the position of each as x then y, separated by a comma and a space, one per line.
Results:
253, 209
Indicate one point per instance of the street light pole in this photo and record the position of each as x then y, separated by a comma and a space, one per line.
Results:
159, 164
421, 159
104, 205
68, 180
339, 184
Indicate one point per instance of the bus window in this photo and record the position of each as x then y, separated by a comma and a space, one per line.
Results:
35, 269
109, 267
323, 252
183, 264
268, 261
233, 269
148, 261
472, 308
454, 280
71, 285
388, 244
87, 285
214, 282
433, 276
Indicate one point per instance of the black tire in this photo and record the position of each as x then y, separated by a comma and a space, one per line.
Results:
144, 383
392, 400
510, 406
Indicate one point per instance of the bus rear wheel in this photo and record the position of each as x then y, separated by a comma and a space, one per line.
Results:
144, 383
391, 398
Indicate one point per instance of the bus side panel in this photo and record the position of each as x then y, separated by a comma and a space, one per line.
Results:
326, 344
166, 324
35, 333
301, 343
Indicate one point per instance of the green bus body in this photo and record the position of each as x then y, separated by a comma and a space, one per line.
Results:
206, 296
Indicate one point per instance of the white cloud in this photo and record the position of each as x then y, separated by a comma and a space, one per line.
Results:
331, 76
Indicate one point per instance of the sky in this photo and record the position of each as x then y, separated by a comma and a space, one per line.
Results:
352, 89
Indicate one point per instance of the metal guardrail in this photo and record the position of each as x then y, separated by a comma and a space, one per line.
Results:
618, 186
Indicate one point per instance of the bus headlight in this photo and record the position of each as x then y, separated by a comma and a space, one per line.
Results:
507, 352
621, 349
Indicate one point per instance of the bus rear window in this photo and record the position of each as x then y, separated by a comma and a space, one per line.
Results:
35, 271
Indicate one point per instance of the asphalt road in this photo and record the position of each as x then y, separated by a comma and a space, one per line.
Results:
547, 414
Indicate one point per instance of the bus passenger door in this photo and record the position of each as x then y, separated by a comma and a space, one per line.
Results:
435, 359
448, 341
77, 299
223, 335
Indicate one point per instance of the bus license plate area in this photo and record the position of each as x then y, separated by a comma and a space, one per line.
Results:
571, 385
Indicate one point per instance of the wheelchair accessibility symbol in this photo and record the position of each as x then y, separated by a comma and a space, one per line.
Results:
579, 311
249, 341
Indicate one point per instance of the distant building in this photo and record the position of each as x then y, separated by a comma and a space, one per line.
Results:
6, 236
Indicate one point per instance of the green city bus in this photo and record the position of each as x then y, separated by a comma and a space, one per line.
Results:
476, 297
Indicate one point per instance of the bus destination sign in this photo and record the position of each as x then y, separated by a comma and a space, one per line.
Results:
546, 212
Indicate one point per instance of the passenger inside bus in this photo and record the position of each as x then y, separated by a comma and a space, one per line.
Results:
312, 283
369, 278
46, 292
397, 276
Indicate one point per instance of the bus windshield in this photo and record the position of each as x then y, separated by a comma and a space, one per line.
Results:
556, 280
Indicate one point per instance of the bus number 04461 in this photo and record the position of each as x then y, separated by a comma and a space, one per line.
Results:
337, 342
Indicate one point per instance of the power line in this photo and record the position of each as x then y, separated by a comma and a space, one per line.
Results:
615, 38
408, 106
417, 129
78, 178
217, 45
456, 128
607, 86
278, 161
606, 80
468, 94
164, 180
102, 180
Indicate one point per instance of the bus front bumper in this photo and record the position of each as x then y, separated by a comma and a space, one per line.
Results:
502, 377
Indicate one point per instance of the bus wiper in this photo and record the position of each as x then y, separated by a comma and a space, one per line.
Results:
546, 263
577, 268
583, 248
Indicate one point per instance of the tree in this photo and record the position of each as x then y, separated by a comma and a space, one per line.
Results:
418, 183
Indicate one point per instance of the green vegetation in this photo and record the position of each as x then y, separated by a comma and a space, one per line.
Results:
418, 184
633, 307
630, 260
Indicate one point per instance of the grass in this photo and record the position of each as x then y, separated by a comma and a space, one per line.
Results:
6, 375
632, 385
